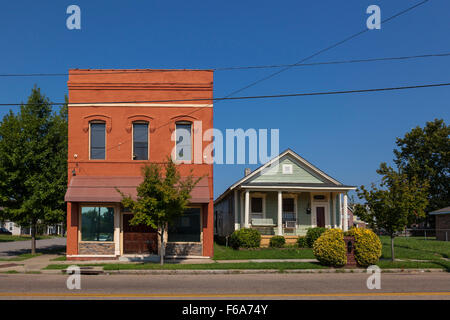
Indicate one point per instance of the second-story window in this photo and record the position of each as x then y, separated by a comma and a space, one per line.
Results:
140, 141
184, 141
97, 140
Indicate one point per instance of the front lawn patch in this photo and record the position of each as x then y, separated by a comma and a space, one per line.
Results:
387, 264
415, 248
227, 253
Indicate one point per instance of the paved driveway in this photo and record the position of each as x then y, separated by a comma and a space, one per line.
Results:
15, 248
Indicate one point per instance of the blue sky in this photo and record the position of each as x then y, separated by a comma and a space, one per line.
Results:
347, 136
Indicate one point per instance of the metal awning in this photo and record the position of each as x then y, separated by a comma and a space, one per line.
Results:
103, 189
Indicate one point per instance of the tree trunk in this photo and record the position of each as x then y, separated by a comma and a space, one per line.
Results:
162, 251
33, 237
392, 248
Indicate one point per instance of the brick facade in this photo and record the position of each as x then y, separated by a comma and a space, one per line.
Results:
443, 227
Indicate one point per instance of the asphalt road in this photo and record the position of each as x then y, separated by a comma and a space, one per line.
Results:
14, 248
239, 286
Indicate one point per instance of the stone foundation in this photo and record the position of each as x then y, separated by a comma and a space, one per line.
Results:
96, 248
184, 249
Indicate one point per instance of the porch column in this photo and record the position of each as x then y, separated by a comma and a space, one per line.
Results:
117, 230
236, 213
241, 209
280, 215
333, 209
345, 222
247, 208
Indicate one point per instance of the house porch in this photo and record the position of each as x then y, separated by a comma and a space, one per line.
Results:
289, 212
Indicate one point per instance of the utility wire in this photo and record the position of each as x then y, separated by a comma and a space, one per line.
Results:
350, 61
327, 48
288, 95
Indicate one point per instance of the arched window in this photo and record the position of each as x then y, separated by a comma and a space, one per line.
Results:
97, 140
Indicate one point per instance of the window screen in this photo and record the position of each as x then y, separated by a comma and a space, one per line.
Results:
288, 205
140, 141
97, 141
184, 141
257, 205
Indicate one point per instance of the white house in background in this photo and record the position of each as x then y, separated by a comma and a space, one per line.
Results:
285, 196
14, 228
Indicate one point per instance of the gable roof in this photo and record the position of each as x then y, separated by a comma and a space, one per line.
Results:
329, 181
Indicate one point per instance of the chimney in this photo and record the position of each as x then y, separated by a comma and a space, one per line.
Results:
247, 171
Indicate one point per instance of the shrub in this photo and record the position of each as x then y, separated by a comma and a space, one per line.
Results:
277, 241
367, 246
301, 242
245, 238
329, 248
313, 234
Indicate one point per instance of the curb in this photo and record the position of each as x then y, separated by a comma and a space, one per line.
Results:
261, 271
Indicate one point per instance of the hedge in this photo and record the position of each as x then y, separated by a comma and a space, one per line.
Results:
313, 234
277, 241
367, 246
301, 242
245, 238
330, 248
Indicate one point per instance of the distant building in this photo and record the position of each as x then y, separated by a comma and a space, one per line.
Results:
442, 223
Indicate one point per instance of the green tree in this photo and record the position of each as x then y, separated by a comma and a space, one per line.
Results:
33, 164
162, 197
425, 154
399, 201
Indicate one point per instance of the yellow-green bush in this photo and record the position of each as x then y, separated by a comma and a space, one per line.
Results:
367, 246
329, 248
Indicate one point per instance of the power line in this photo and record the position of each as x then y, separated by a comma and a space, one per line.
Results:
349, 61
288, 95
336, 62
328, 48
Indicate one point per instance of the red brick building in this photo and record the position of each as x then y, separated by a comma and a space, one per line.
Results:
118, 121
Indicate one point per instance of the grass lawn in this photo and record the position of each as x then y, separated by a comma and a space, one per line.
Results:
8, 238
254, 265
227, 253
205, 266
415, 248
61, 258
385, 264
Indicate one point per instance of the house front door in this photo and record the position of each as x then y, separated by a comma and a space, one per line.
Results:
320, 216
138, 239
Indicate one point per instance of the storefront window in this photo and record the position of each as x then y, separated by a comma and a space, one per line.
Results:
97, 224
186, 228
